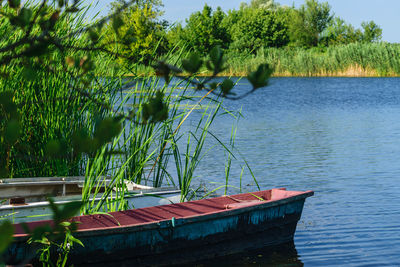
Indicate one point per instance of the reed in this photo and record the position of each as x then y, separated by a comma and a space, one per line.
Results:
50, 109
143, 153
353, 60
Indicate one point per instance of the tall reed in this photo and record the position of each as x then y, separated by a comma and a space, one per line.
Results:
358, 59
52, 109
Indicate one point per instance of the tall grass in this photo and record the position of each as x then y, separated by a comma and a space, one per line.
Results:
358, 59
52, 109
352, 60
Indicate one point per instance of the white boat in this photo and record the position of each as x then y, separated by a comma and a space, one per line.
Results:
24, 199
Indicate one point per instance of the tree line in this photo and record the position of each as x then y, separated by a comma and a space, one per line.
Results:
258, 24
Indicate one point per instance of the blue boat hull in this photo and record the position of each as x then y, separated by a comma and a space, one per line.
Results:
184, 240
195, 241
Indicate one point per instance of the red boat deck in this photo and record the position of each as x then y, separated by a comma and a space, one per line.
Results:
167, 212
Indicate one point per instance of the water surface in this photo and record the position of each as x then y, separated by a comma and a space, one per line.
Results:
337, 136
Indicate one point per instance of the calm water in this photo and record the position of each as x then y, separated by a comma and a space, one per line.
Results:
337, 136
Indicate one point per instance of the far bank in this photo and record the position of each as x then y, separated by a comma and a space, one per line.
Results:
353, 60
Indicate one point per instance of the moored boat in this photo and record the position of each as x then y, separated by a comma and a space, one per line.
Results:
25, 199
180, 233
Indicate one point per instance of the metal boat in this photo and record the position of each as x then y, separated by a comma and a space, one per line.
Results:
180, 233
25, 199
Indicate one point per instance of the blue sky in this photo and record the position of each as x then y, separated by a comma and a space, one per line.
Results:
384, 12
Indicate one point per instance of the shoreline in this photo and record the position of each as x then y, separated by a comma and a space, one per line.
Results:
350, 72
285, 75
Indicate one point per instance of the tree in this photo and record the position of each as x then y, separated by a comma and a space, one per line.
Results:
308, 23
204, 30
257, 28
339, 32
141, 36
264, 4
372, 32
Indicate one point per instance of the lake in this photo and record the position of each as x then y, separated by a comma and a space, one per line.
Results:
337, 136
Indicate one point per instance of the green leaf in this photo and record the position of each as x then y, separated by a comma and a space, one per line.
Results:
53, 148
69, 210
37, 49
193, 63
226, 86
260, 77
29, 74
117, 22
216, 62
216, 55
75, 240
65, 224
72, 9
93, 35
163, 69
6, 236
155, 110
12, 131
14, 3
54, 208
25, 15
107, 129
39, 234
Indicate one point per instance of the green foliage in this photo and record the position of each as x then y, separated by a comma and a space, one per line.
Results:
355, 59
263, 24
156, 110
6, 237
136, 34
308, 23
263, 4
372, 32
51, 91
340, 33
10, 130
50, 96
187, 162
193, 63
259, 78
56, 239
258, 27
204, 30
53, 242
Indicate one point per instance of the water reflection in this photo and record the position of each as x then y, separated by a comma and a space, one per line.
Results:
284, 255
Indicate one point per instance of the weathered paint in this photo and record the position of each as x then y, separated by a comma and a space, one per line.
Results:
265, 223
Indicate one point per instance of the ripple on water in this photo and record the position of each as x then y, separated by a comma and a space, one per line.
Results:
337, 136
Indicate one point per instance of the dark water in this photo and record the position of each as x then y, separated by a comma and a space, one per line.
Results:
337, 136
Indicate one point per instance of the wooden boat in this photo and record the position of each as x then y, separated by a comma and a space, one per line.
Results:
180, 233
25, 199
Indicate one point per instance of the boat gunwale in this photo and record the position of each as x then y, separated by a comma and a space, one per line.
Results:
134, 194
167, 223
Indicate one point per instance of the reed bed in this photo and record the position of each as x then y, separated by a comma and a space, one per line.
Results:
353, 60
53, 111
